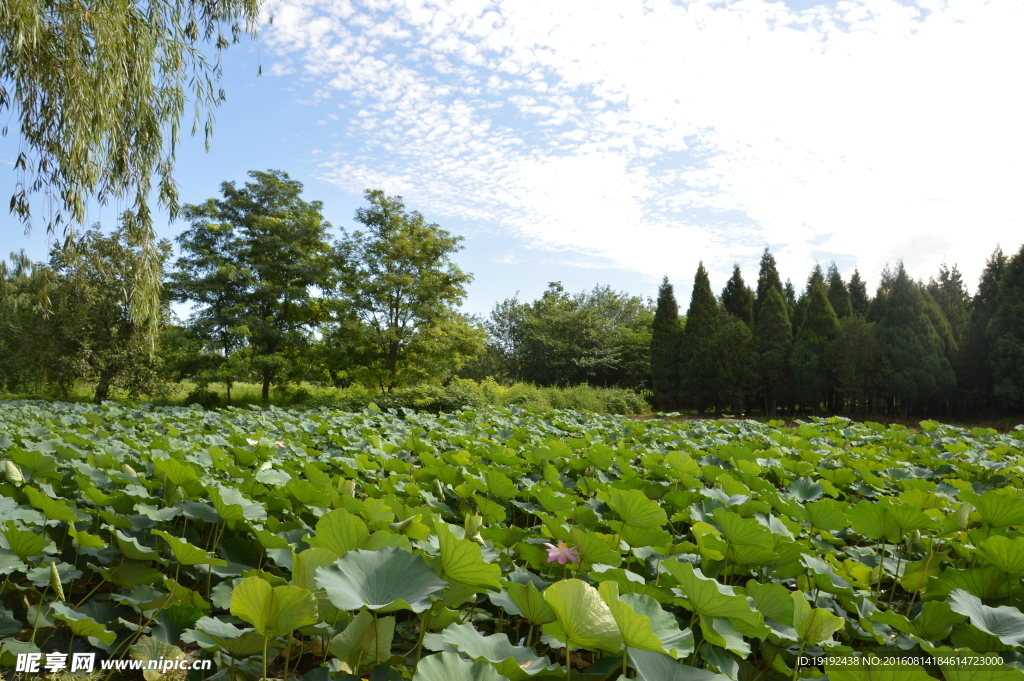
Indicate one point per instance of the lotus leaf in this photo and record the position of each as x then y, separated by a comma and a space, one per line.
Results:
385, 580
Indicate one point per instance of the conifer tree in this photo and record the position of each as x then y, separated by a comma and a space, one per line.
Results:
912, 346
767, 277
789, 294
838, 293
696, 366
733, 361
951, 295
1005, 334
810, 360
665, 339
738, 299
976, 345
858, 294
773, 339
858, 363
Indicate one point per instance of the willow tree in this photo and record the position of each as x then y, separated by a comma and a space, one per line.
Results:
99, 88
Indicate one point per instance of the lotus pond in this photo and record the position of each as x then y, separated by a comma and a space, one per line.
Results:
484, 546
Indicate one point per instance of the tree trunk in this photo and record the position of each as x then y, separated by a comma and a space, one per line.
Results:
393, 364
267, 377
102, 388
227, 387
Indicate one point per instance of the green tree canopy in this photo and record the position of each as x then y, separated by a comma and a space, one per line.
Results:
600, 337
269, 247
402, 290
919, 368
773, 340
696, 361
665, 337
99, 88
809, 360
859, 300
738, 299
71, 320
767, 278
838, 293
977, 348
1005, 334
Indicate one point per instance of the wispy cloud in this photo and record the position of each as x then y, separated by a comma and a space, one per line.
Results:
651, 134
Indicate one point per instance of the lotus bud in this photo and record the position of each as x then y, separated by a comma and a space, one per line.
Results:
472, 525
129, 471
13, 472
347, 487
55, 581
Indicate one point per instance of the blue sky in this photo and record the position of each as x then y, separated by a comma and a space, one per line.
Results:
615, 142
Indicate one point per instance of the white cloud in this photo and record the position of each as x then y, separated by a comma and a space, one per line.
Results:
652, 134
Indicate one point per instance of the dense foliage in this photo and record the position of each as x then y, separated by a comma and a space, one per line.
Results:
482, 545
913, 347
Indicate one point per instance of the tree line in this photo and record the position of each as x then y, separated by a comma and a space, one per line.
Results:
273, 300
930, 348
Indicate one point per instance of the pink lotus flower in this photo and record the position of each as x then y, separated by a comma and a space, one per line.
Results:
279, 443
562, 553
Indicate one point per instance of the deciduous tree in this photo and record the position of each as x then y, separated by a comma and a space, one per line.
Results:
99, 89
400, 283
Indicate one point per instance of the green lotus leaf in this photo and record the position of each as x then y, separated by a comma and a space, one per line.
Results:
825, 577
54, 509
821, 516
499, 485
634, 508
1006, 554
273, 610
526, 601
997, 510
1005, 622
644, 625
132, 549
630, 582
234, 641
708, 598
81, 624
933, 624
25, 543
874, 522
651, 666
515, 662
177, 473
805, 491
814, 625
462, 560
385, 580
339, 531
186, 554
772, 600
909, 518
231, 504
721, 633
983, 582
583, 617
451, 667
594, 549
366, 641
749, 542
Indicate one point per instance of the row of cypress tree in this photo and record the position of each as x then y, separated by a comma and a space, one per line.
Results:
927, 347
